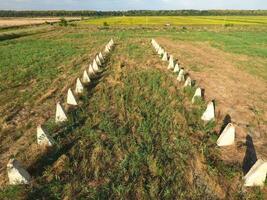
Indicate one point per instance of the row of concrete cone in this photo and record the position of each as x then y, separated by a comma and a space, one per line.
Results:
16, 173
257, 174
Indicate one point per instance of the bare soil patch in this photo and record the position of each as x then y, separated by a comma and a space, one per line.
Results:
10, 22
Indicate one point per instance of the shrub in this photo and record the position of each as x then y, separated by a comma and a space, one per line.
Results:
228, 25
105, 24
63, 22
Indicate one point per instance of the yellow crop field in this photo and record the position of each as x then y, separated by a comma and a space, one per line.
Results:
179, 20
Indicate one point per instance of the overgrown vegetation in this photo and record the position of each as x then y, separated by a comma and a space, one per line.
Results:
63, 22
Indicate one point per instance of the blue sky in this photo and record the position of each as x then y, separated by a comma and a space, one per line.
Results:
130, 4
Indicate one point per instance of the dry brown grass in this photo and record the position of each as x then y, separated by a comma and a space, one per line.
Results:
11, 22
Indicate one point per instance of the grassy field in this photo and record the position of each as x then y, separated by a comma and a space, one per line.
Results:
135, 134
180, 20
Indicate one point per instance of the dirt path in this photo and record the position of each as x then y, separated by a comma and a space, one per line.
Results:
236, 92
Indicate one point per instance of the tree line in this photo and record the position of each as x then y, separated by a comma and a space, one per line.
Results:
89, 13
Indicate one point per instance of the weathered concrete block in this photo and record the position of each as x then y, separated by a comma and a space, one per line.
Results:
257, 174
227, 137
71, 99
60, 114
42, 138
79, 87
209, 113
17, 175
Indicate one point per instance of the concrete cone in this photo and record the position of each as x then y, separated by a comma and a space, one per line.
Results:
198, 94
79, 87
60, 114
85, 78
91, 71
42, 138
111, 42
227, 137
101, 56
188, 82
17, 175
71, 99
107, 49
209, 114
180, 77
161, 51
171, 63
95, 66
165, 56
98, 60
176, 68
256, 175
158, 51
157, 48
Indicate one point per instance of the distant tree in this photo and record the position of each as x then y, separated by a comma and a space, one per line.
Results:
105, 24
63, 22
86, 13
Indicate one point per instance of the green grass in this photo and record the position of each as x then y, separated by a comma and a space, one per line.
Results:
11, 192
131, 144
29, 64
179, 20
134, 135
249, 41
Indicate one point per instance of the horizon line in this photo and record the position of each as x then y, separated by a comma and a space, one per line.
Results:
135, 10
